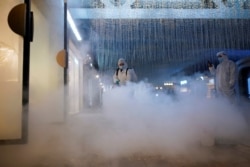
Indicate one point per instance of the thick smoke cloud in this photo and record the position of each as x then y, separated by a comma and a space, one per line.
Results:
132, 121
140, 122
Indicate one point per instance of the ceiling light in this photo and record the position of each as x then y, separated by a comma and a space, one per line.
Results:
98, 4
246, 4
227, 3
73, 26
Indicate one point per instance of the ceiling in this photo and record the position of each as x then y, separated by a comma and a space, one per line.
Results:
161, 38
121, 9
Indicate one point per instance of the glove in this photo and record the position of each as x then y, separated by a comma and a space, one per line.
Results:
117, 82
209, 64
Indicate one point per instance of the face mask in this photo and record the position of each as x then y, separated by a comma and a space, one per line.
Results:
220, 59
121, 66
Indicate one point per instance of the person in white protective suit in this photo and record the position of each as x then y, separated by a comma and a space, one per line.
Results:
123, 74
225, 76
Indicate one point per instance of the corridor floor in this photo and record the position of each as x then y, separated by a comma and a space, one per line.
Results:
64, 144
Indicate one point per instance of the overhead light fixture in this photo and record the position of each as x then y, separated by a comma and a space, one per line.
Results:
210, 4
117, 2
246, 4
228, 3
73, 26
98, 4
194, 4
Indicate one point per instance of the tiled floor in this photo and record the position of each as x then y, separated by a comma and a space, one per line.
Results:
238, 156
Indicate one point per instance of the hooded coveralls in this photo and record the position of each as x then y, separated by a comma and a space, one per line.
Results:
124, 74
225, 76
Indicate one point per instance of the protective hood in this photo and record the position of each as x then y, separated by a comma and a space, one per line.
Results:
122, 64
222, 56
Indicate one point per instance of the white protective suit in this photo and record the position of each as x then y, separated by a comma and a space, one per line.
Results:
225, 76
123, 74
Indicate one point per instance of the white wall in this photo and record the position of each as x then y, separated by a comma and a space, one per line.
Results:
46, 76
46, 100
11, 55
